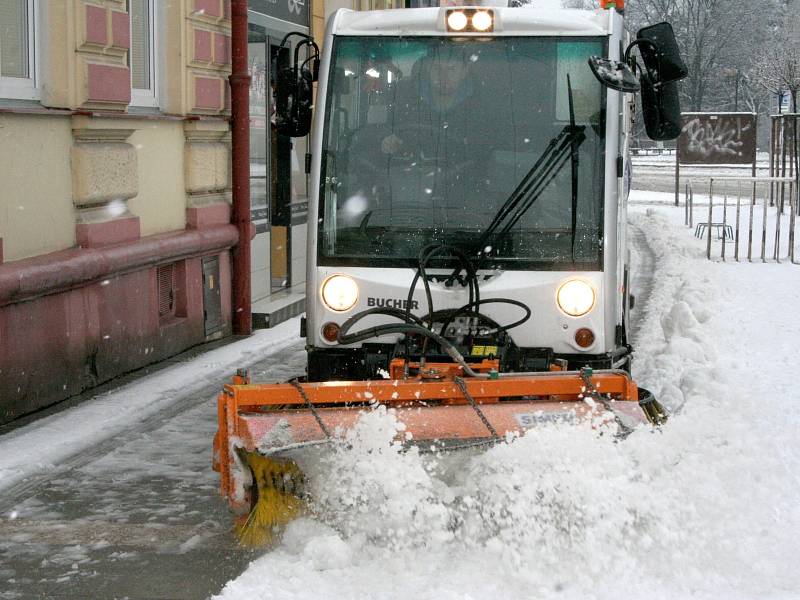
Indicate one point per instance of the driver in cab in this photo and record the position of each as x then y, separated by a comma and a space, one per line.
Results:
435, 119
437, 95
423, 146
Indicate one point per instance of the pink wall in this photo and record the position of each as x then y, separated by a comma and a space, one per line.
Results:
120, 29
202, 45
73, 319
207, 93
96, 32
109, 84
222, 49
209, 7
58, 345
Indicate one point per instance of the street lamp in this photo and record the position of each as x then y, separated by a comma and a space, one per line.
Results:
734, 74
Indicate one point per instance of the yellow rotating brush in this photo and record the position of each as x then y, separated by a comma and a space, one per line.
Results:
277, 498
656, 414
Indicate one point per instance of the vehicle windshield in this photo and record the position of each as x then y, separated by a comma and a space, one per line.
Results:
427, 138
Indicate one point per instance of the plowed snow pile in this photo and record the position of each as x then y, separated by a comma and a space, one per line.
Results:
706, 508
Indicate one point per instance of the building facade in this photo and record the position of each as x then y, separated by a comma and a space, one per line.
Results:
115, 184
115, 239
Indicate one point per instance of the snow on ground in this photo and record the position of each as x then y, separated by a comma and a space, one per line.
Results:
667, 158
705, 508
26, 451
750, 230
145, 501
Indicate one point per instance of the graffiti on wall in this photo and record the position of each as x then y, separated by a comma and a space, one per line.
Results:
717, 138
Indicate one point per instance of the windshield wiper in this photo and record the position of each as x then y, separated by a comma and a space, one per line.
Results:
574, 163
564, 146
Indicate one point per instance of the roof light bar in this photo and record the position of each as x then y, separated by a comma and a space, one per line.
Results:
482, 20
457, 20
470, 20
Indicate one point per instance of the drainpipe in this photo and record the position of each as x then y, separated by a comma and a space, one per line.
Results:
240, 168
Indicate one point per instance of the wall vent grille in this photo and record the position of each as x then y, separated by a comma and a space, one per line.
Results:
166, 290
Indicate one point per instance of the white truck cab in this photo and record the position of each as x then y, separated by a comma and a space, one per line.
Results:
467, 177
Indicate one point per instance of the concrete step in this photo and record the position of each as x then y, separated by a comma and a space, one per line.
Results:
279, 307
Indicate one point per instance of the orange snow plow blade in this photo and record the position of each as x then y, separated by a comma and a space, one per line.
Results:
259, 422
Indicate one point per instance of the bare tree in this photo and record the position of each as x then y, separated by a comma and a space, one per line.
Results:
777, 68
715, 38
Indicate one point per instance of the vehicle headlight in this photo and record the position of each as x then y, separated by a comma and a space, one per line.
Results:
575, 297
340, 292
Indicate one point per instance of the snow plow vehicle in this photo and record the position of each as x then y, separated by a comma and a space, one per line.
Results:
469, 265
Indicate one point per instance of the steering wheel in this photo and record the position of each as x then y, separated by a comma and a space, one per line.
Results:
415, 152
412, 140
396, 145
416, 149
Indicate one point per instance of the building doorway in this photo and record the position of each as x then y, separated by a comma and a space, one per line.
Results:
278, 182
281, 172
271, 169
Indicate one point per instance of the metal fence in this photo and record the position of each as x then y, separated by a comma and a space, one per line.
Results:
783, 150
746, 215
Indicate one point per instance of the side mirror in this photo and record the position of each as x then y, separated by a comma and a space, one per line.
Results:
295, 91
663, 67
660, 53
661, 109
293, 102
315, 69
305, 101
614, 74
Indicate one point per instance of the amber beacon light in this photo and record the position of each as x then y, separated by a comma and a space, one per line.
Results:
584, 337
330, 331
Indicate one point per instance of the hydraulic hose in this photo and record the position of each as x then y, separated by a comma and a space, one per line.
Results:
389, 328
399, 313
425, 255
500, 328
379, 330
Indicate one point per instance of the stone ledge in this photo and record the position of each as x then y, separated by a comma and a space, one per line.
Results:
97, 134
56, 272
204, 199
203, 217
207, 129
94, 235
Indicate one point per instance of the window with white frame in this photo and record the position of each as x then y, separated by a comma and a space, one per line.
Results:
142, 54
18, 49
